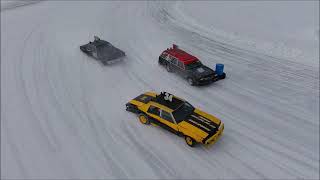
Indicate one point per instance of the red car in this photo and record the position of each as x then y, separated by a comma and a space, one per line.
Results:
189, 67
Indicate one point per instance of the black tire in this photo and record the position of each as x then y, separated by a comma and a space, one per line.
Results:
223, 76
144, 119
191, 81
190, 141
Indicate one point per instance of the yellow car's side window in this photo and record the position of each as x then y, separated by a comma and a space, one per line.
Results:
154, 110
166, 116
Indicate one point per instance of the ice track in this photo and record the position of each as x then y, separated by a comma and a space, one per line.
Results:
63, 113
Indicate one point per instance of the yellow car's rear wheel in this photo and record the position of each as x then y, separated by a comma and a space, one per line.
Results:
191, 142
143, 119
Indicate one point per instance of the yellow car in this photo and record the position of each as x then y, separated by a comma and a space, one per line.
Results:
177, 116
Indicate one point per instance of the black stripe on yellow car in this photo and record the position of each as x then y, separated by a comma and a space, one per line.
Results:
203, 120
202, 123
198, 125
210, 135
206, 120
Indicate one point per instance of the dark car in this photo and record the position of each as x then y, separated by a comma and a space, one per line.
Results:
189, 67
102, 50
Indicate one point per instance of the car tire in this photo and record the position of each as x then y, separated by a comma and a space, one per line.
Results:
223, 76
190, 141
191, 81
143, 118
168, 68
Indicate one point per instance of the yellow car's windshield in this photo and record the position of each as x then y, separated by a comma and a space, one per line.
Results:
182, 112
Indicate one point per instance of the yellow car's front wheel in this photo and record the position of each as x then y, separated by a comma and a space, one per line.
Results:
144, 119
191, 142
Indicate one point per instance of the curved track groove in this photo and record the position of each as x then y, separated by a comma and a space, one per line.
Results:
64, 108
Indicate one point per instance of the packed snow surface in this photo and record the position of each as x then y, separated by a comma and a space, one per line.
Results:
10, 4
63, 114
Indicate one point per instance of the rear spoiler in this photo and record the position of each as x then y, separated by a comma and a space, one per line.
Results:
174, 46
96, 38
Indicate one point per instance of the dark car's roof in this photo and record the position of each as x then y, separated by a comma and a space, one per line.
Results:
99, 43
106, 50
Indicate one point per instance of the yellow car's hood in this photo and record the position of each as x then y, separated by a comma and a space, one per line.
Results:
201, 123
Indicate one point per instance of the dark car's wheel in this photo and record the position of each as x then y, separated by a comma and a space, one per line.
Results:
190, 141
191, 81
143, 118
168, 68
223, 76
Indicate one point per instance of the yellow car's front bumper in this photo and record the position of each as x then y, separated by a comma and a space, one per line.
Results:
215, 137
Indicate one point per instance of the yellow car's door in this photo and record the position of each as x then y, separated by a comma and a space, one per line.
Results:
162, 118
167, 118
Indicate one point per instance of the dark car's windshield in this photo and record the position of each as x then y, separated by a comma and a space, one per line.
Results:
193, 65
182, 112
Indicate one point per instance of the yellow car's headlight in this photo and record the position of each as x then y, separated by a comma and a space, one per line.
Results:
221, 126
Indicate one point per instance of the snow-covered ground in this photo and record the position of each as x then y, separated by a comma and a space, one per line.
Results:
10, 4
62, 114
284, 29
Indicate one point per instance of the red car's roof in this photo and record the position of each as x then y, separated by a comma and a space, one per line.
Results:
181, 55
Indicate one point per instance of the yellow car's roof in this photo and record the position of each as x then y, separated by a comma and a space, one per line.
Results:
163, 104
161, 107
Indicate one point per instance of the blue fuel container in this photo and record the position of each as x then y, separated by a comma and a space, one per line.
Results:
219, 69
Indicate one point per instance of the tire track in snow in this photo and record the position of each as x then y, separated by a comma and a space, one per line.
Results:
14, 149
91, 127
226, 51
161, 168
176, 85
24, 88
